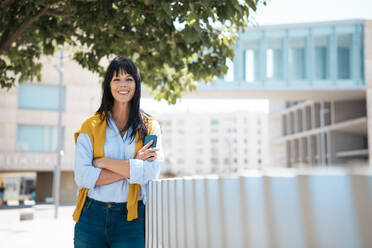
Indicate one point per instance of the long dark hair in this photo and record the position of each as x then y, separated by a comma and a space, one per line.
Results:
136, 121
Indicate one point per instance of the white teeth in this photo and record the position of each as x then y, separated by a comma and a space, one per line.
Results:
123, 92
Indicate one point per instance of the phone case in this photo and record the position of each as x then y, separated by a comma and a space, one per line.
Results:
149, 138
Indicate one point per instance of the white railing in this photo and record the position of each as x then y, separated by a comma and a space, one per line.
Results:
324, 208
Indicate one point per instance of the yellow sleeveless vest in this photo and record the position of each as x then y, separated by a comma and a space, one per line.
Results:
95, 127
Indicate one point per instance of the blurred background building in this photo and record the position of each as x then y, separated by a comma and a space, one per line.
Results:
218, 143
318, 79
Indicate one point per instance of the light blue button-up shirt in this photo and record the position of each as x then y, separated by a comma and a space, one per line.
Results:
141, 172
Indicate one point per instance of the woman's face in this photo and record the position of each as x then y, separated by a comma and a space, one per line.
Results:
122, 87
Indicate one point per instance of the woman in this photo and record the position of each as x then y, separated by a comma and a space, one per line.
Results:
112, 166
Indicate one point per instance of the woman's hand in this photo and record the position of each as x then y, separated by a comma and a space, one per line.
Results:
146, 153
99, 162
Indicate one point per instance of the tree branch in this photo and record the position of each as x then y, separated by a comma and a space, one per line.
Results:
8, 38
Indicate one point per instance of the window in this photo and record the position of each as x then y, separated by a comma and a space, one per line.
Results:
33, 138
274, 60
321, 57
38, 96
297, 58
344, 56
230, 71
251, 61
215, 122
214, 161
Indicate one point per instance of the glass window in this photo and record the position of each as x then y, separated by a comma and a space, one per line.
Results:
251, 61
214, 161
297, 58
361, 59
38, 96
215, 122
32, 138
230, 71
274, 59
344, 56
321, 57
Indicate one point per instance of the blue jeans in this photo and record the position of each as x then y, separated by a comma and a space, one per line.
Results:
103, 224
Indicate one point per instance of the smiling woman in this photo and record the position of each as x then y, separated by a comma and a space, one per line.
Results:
111, 170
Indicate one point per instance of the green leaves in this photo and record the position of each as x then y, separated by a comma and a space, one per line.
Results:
174, 43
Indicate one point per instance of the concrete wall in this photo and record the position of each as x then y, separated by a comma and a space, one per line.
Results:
368, 80
278, 209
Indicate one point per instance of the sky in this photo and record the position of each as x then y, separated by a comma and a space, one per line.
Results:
294, 11
275, 12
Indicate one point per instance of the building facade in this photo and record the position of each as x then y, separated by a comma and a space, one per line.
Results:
328, 133
327, 66
214, 143
28, 131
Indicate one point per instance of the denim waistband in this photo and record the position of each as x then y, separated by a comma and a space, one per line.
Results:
111, 205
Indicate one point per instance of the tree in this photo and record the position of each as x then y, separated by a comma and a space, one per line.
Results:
174, 43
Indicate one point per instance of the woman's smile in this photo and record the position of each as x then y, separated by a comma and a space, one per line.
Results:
123, 92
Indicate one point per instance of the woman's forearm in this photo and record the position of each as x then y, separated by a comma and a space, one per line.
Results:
117, 166
107, 177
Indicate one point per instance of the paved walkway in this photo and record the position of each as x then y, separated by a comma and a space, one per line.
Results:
42, 231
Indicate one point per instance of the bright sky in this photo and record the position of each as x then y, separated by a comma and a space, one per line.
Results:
292, 11
275, 12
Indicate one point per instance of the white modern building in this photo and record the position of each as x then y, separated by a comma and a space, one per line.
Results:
214, 143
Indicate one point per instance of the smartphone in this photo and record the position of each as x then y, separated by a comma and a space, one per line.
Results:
149, 138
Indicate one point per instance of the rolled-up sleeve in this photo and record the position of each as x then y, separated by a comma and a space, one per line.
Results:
141, 172
86, 175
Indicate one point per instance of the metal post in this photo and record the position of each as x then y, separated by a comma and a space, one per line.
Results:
57, 174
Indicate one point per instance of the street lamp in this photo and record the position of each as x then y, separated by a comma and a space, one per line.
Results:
57, 169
